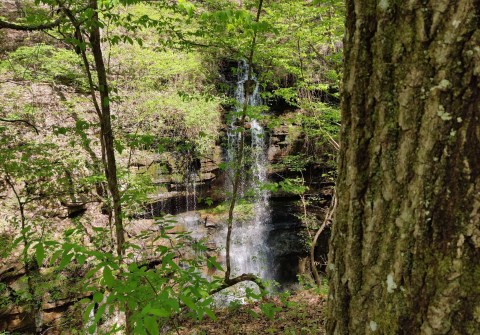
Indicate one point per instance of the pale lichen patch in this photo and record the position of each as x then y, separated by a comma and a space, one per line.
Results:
391, 285
383, 4
476, 314
445, 116
443, 85
460, 243
373, 326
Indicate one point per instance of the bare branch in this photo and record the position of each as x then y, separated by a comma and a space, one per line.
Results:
20, 121
326, 222
233, 281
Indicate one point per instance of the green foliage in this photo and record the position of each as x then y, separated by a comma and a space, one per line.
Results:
138, 187
172, 92
146, 69
269, 310
153, 294
305, 43
243, 211
320, 119
45, 63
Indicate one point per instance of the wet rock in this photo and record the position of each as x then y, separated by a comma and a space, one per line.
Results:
210, 222
274, 153
177, 229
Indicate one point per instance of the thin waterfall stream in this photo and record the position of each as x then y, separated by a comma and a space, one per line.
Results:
249, 250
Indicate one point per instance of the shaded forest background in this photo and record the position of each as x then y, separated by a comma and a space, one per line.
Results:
170, 68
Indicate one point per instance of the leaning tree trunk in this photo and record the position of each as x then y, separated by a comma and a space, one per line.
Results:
405, 248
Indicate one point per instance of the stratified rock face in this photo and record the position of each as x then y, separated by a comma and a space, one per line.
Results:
53, 312
211, 177
279, 144
286, 241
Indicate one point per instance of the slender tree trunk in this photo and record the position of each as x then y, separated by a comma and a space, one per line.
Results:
31, 270
405, 247
106, 130
108, 144
240, 155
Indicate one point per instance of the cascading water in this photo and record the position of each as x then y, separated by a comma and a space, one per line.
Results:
249, 251
190, 181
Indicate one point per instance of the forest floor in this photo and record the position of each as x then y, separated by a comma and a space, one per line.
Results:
300, 313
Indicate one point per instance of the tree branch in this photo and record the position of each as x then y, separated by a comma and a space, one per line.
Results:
21, 121
233, 281
326, 222
21, 27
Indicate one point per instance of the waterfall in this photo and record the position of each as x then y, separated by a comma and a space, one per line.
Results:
190, 185
249, 252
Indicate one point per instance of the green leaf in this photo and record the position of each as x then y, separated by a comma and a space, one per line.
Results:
187, 301
39, 254
66, 259
119, 147
92, 328
108, 277
69, 232
60, 130
212, 263
98, 297
86, 313
99, 313
55, 256
151, 325
161, 312
81, 258
210, 314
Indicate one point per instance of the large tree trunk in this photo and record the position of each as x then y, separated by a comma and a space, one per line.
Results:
405, 248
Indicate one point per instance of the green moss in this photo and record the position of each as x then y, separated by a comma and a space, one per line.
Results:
244, 211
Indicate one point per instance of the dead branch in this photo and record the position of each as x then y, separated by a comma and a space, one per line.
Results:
326, 222
234, 281
20, 121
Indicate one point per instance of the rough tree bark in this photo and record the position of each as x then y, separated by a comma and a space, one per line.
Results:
405, 247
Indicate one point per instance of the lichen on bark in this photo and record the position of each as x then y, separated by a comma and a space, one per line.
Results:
405, 238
